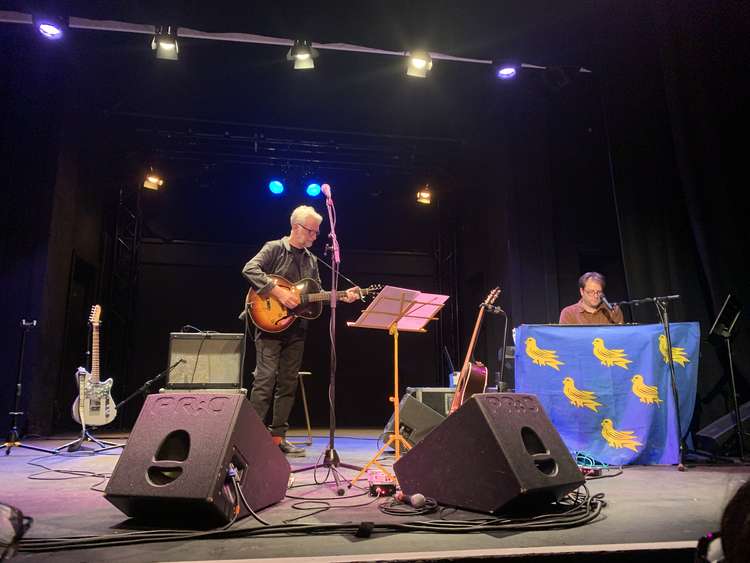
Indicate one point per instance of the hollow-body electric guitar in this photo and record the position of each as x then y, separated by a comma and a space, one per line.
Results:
473, 377
269, 315
94, 405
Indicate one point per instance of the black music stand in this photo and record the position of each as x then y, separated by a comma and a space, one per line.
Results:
724, 327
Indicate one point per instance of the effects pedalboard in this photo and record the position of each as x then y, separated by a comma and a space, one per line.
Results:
380, 484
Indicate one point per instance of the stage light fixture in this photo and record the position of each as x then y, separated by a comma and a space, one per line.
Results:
509, 69
276, 187
153, 180
303, 55
165, 43
505, 71
50, 27
313, 189
420, 63
424, 195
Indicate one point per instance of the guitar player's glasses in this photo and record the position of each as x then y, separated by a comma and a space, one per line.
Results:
313, 231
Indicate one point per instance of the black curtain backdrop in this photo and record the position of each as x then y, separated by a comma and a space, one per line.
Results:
633, 170
680, 209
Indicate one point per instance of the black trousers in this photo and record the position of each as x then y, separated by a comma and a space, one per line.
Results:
279, 357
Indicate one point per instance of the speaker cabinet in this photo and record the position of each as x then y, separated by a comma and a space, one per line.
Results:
499, 451
415, 419
721, 435
176, 462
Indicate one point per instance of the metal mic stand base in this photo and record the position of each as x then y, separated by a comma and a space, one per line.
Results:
331, 462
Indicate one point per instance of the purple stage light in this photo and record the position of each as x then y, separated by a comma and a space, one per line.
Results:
49, 30
506, 72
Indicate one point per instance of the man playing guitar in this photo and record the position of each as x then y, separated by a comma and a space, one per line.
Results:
279, 354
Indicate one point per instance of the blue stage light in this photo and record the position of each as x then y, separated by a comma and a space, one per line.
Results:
276, 187
313, 190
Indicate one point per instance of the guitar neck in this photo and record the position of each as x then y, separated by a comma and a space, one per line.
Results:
474, 335
95, 353
324, 296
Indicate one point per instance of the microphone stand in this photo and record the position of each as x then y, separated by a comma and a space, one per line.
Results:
495, 310
331, 459
661, 309
145, 387
14, 436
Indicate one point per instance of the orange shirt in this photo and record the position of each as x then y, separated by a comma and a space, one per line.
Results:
576, 315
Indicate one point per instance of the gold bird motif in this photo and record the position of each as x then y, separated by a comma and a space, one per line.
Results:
542, 357
648, 394
578, 397
608, 357
619, 439
678, 354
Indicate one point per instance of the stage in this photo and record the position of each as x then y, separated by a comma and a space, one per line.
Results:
656, 510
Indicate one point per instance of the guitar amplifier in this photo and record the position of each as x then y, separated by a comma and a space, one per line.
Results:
438, 399
211, 360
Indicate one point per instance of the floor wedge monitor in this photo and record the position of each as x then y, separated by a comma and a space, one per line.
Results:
415, 419
177, 461
497, 452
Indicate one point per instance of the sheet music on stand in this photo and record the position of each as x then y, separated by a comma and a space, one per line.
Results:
413, 310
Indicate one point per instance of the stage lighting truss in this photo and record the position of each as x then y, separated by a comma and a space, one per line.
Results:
302, 52
165, 43
303, 55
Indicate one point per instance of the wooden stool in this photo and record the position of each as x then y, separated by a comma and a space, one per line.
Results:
309, 440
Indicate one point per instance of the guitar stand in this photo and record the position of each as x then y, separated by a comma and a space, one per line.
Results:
86, 436
14, 436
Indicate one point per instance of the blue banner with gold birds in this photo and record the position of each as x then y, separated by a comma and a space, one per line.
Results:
607, 389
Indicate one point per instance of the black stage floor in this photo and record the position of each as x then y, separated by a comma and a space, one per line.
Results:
651, 512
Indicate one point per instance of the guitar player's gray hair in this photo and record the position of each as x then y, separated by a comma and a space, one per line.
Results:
302, 213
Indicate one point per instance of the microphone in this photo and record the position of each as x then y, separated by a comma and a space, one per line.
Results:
607, 304
326, 189
416, 500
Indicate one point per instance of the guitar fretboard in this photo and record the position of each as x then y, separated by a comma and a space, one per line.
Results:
95, 353
323, 296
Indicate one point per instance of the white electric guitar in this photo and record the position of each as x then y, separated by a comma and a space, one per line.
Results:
94, 405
